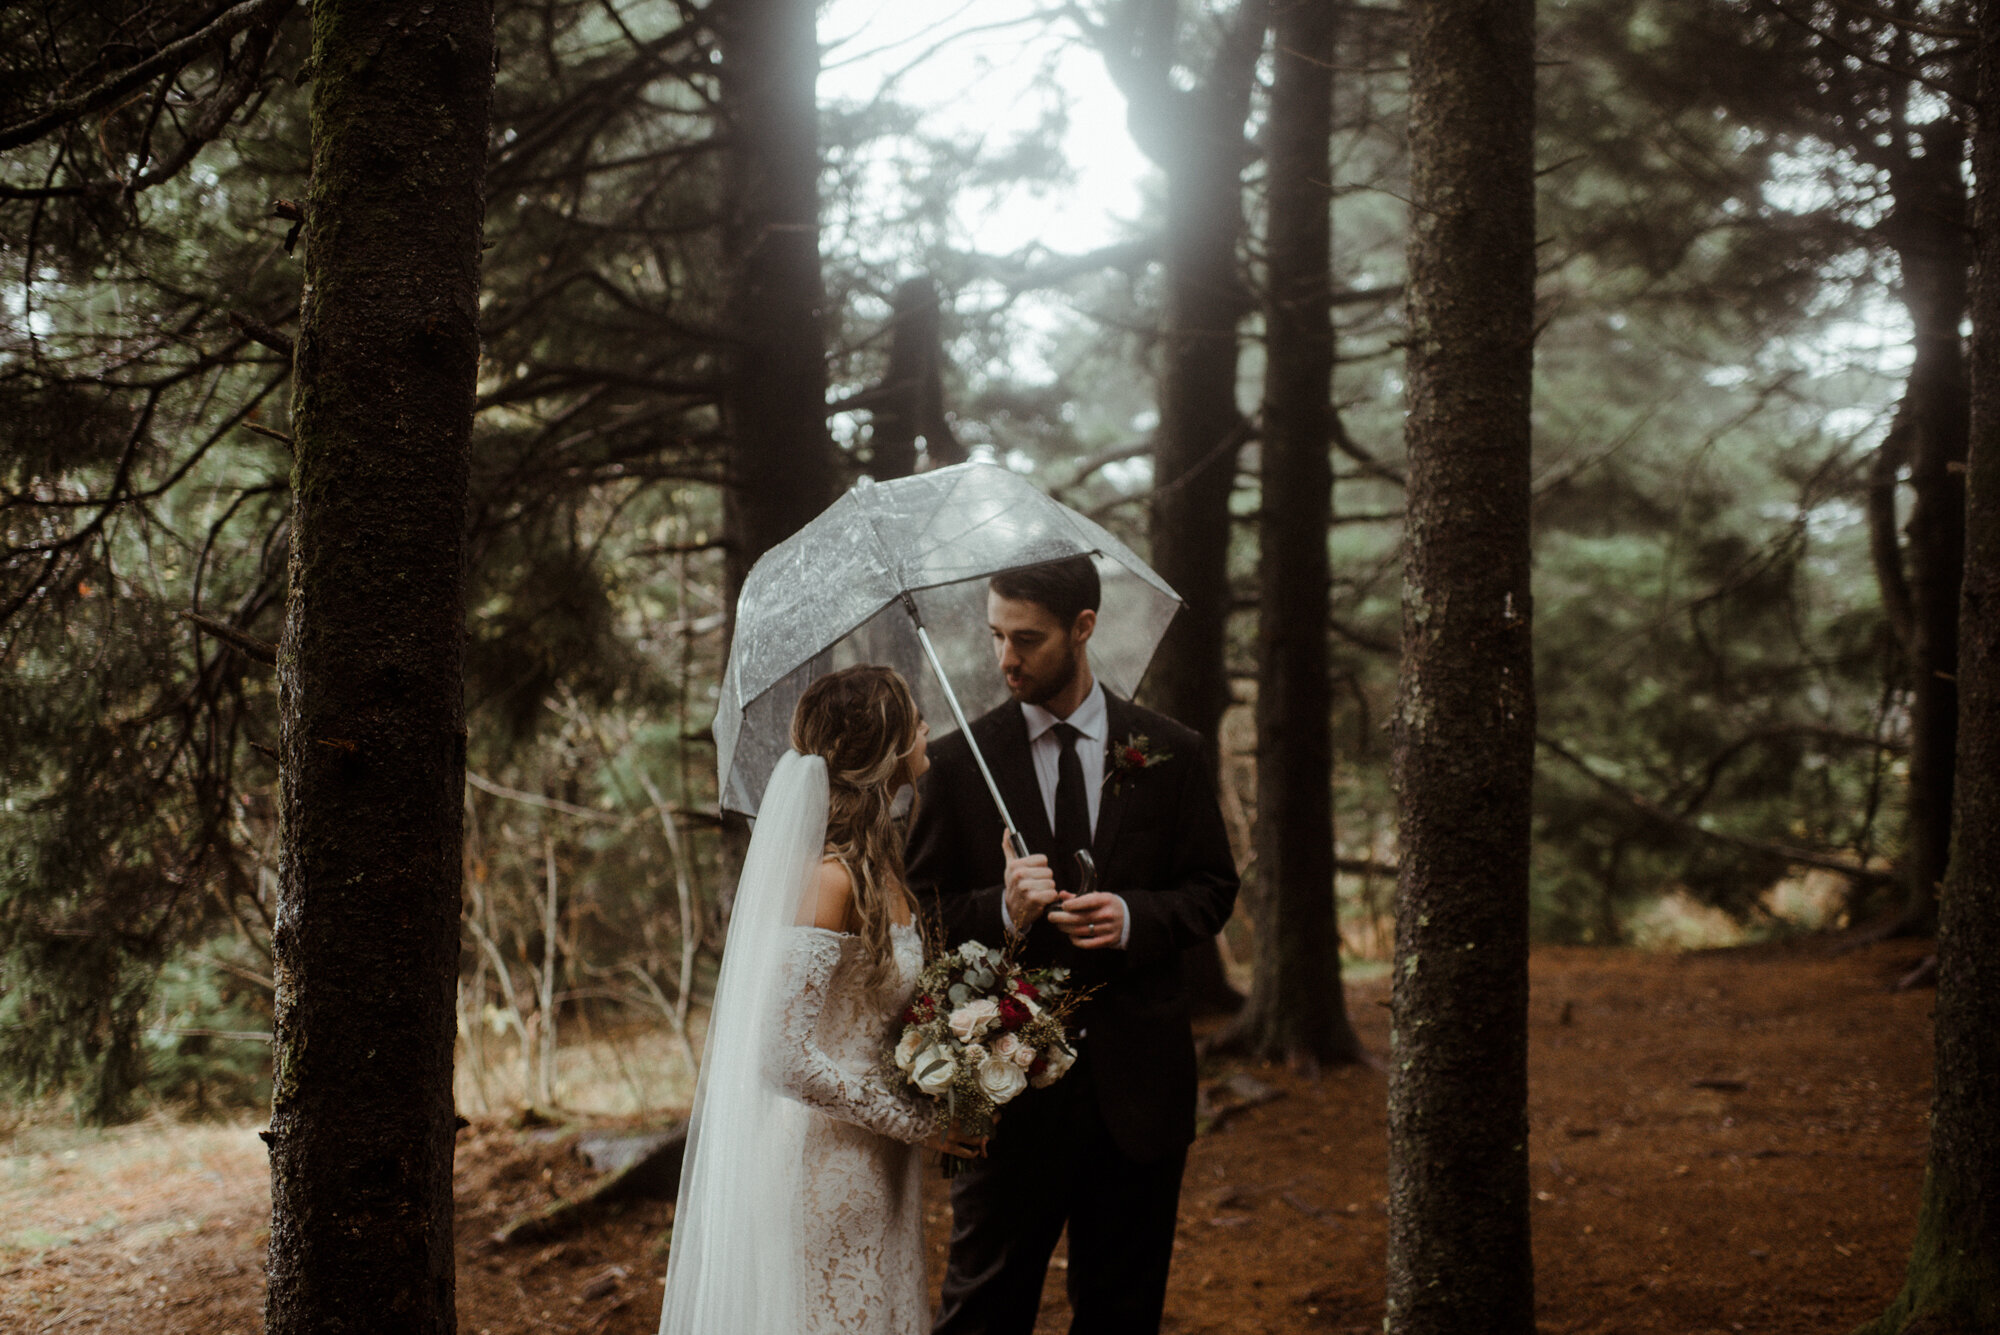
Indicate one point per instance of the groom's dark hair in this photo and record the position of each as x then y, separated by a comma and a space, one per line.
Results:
1066, 588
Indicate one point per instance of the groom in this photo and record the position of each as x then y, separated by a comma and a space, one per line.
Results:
1102, 1149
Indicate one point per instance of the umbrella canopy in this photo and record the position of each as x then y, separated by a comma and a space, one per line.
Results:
832, 595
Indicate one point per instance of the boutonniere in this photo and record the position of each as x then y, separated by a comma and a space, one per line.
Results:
1132, 756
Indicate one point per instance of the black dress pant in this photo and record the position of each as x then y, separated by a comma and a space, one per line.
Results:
1052, 1162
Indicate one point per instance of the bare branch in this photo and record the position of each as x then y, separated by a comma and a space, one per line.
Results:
263, 651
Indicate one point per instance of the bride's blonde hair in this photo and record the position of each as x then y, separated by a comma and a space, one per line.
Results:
863, 721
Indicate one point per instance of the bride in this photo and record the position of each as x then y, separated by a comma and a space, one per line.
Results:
799, 1205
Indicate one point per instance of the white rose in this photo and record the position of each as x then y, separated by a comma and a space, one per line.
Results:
933, 1069
1001, 1079
974, 1018
1060, 1059
906, 1051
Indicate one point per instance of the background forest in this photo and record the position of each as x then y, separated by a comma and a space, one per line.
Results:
711, 299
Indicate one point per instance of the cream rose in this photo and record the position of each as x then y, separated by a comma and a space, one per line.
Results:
1014, 1050
1000, 1078
974, 1018
933, 1069
906, 1051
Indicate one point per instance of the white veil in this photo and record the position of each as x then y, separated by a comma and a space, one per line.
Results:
734, 1263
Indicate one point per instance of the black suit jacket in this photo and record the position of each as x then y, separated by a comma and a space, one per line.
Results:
1159, 842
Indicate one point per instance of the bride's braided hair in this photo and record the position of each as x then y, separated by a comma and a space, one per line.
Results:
863, 721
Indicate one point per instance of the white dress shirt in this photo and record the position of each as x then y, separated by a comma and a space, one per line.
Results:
1092, 719
1045, 748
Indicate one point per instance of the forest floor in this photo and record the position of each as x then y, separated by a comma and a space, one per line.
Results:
1726, 1141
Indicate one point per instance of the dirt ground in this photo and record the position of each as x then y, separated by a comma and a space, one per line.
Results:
1722, 1142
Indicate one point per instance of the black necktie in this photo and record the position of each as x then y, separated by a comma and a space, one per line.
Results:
1072, 808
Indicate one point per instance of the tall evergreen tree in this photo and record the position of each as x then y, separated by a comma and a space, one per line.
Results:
372, 723
1953, 1282
1296, 1010
782, 464
1195, 136
1459, 1257
1864, 82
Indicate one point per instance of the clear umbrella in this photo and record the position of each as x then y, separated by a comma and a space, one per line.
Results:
895, 572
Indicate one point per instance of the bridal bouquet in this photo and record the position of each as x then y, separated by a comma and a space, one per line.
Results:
980, 1030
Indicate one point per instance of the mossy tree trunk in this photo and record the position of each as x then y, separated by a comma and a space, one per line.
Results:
1296, 1011
1953, 1283
370, 672
1459, 1255
782, 468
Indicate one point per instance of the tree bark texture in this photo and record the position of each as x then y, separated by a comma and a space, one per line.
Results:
1953, 1283
782, 464
1296, 1010
370, 671
1932, 245
1464, 732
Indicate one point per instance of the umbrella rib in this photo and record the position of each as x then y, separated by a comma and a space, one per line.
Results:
936, 512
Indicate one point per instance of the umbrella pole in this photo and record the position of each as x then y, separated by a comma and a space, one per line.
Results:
964, 728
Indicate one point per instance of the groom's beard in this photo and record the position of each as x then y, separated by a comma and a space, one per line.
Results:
1040, 690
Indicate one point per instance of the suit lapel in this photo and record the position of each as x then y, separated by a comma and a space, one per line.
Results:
1003, 738
1114, 797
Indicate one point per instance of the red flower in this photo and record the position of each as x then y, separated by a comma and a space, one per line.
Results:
1134, 755
1012, 1013
1041, 1064
1024, 988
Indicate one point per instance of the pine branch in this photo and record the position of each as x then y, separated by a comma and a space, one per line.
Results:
170, 57
1803, 857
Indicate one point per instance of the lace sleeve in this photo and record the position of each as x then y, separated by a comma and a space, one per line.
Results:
795, 1062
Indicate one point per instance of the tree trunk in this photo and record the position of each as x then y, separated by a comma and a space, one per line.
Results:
1197, 139
782, 463
370, 675
1932, 245
1296, 1010
1953, 1282
1459, 1257
908, 405
1195, 136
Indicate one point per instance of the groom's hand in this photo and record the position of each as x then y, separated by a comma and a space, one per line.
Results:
1093, 921
1031, 887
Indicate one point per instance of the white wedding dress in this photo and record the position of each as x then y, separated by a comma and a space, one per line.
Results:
861, 1195
799, 1210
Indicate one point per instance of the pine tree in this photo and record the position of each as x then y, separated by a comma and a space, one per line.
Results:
372, 729
1459, 1256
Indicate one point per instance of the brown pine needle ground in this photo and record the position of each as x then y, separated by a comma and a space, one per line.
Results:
1722, 1142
